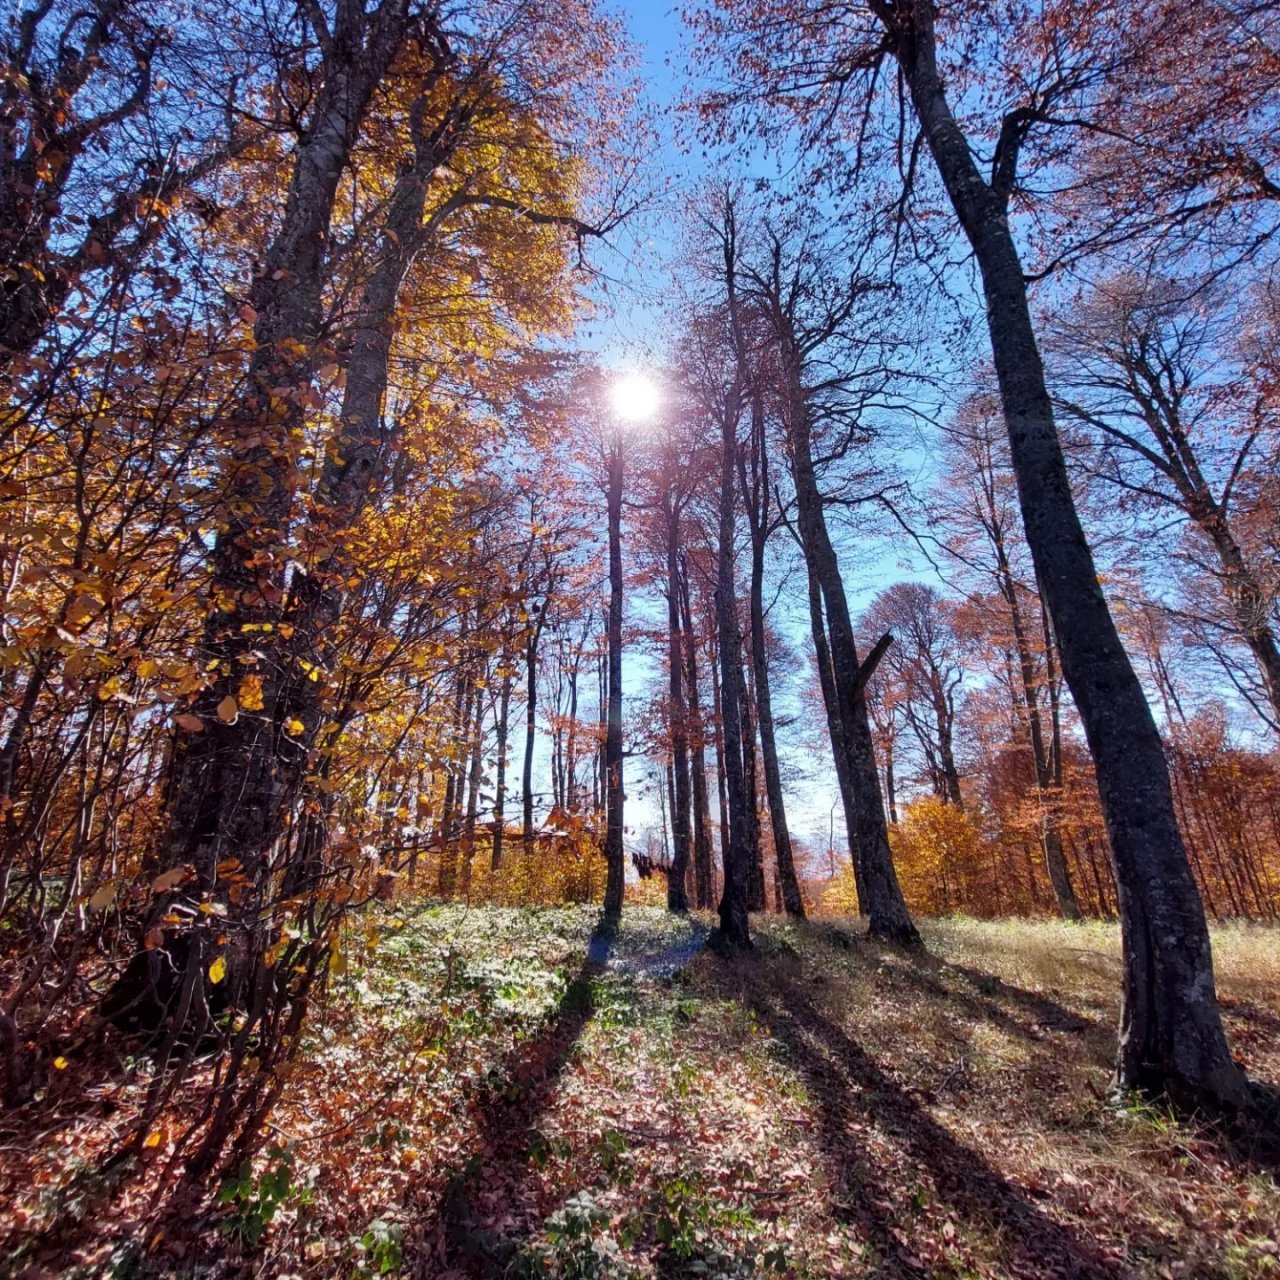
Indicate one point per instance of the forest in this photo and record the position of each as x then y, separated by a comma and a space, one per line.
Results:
640, 641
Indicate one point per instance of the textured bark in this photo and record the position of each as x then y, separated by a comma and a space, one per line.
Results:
613, 853
234, 788
1171, 1030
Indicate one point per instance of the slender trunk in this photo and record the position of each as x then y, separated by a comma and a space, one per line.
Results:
721, 787
751, 789
883, 902
531, 714
473, 793
677, 715
835, 730
944, 714
1171, 1030
1046, 785
890, 787
737, 853
615, 868
788, 884
702, 874
571, 746
500, 780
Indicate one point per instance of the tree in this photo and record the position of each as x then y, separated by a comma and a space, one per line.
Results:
808, 322
1140, 366
1171, 1034
756, 496
977, 505
925, 659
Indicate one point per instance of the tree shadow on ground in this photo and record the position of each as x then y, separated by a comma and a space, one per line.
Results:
462, 1236
982, 996
863, 1109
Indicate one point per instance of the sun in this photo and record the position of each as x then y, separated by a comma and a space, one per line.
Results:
634, 397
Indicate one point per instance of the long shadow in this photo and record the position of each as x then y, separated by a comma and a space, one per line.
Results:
458, 1237
850, 1086
981, 1001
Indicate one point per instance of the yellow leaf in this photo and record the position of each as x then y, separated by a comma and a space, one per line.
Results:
294, 727
152, 1139
250, 693
218, 970
61, 1063
228, 710
148, 667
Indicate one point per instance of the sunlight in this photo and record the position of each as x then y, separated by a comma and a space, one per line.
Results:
635, 398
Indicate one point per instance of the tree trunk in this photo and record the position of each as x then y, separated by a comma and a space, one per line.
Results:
751, 788
235, 786
704, 891
879, 891
1171, 1030
500, 780
737, 855
756, 497
531, 723
615, 867
835, 730
681, 798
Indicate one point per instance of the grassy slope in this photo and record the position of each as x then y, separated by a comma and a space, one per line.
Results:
484, 1096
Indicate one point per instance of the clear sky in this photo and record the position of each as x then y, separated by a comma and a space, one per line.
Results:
629, 329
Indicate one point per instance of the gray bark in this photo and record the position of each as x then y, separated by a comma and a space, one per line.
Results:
1171, 1030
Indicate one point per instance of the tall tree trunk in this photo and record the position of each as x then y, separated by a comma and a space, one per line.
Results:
789, 885
531, 720
737, 854
702, 871
944, 713
677, 715
1048, 785
835, 730
235, 786
751, 787
473, 788
615, 867
500, 779
1171, 1030
880, 893
571, 746
722, 789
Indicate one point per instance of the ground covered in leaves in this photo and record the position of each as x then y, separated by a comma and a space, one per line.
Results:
503, 1092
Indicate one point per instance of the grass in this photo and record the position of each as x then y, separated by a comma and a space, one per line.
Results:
505, 1092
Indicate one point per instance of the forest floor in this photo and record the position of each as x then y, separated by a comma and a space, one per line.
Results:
511, 1092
